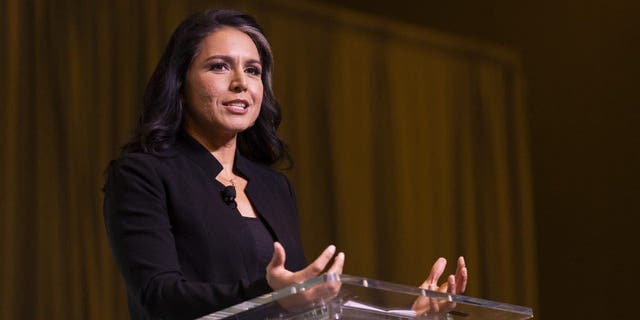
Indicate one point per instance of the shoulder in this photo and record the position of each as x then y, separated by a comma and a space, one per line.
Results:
133, 162
135, 168
144, 161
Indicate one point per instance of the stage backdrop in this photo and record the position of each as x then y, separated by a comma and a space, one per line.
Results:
409, 145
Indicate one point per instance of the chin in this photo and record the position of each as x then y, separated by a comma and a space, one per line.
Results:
240, 126
238, 129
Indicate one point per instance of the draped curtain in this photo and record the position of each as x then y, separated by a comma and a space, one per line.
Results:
409, 144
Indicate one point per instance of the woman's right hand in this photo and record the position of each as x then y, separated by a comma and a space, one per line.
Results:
279, 277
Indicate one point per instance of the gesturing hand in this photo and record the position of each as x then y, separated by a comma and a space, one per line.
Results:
456, 284
279, 277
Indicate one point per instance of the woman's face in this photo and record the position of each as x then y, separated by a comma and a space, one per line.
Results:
223, 86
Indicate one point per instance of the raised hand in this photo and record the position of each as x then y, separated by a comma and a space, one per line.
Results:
456, 284
279, 277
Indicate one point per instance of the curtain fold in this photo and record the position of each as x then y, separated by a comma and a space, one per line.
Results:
409, 145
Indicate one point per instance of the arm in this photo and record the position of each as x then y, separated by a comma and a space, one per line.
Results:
140, 233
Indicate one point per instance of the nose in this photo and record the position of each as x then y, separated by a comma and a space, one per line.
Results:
239, 82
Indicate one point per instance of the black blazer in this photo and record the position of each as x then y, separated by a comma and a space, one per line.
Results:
174, 239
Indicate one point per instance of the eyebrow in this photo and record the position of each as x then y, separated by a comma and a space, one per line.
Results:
230, 59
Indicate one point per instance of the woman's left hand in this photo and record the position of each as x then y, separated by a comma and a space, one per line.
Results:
456, 284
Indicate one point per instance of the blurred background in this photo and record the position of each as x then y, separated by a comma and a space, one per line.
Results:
505, 132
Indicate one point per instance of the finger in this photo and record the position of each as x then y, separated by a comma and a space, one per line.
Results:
436, 272
461, 276
316, 267
338, 264
461, 262
461, 281
451, 284
445, 287
442, 288
278, 258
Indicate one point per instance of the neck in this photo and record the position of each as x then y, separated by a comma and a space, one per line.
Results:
222, 147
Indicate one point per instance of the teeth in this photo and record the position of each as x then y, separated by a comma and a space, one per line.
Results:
238, 105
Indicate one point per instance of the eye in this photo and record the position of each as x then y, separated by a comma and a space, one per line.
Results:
218, 66
255, 71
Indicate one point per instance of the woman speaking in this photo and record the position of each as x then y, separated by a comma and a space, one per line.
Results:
196, 217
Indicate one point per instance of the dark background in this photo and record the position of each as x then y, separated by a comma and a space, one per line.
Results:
76, 69
581, 63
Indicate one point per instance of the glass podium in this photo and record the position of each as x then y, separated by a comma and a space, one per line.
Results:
333, 296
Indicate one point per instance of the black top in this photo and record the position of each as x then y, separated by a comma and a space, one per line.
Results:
257, 243
175, 240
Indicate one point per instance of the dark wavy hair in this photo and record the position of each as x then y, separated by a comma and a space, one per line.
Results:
161, 118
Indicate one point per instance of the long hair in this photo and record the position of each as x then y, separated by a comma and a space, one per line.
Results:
161, 118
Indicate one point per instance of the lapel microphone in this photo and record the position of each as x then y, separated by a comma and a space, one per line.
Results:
229, 196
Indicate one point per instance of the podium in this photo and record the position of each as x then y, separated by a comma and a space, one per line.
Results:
333, 296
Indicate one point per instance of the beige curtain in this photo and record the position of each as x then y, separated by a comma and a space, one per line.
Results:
409, 145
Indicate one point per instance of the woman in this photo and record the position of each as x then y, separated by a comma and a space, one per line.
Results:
197, 219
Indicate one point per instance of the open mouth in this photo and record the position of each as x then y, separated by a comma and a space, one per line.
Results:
237, 106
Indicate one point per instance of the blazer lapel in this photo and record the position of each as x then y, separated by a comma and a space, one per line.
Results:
262, 197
